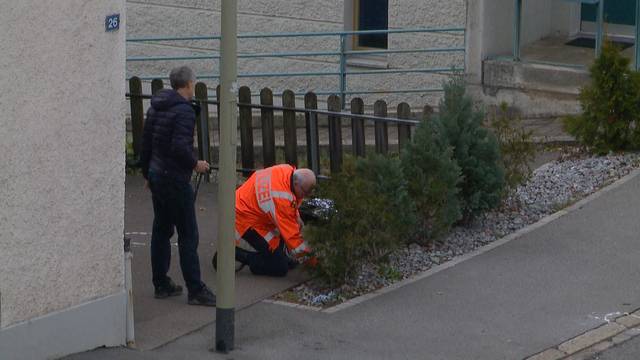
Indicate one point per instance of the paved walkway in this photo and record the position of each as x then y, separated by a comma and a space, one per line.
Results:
515, 300
160, 321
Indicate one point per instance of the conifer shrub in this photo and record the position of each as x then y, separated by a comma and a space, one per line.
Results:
517, 148
475, 149
610, 105
373, 215
432, 177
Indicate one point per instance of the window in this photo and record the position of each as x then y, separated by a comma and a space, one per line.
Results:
371, 15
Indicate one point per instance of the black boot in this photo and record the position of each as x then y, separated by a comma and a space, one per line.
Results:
203, 297
168, 289
242, 259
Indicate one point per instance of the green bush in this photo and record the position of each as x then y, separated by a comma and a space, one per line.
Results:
373, 216
432, 176
516, 145
610, 105
475, 149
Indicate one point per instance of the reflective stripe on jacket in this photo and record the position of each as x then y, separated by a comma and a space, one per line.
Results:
266, 203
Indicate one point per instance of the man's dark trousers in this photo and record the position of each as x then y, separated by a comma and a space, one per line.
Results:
173, 205
264, 261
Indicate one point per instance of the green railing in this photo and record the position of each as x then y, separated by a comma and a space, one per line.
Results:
342, 53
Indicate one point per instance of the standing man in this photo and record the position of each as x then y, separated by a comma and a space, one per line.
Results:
167, 163
267, 218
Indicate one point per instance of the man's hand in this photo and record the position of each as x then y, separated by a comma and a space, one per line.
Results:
202, 166
146, 184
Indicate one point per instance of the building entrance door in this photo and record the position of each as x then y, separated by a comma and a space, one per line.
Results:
620, 16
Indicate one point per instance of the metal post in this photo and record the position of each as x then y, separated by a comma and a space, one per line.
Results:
637, 34
343, 70
225, 275
600, 28
128, 285
516, 29
313, 145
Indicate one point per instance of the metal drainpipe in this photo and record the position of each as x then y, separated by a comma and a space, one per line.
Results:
128, 284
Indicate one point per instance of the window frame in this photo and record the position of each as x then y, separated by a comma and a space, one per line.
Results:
356, 27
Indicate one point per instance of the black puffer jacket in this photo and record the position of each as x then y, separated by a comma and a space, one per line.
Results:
167, 142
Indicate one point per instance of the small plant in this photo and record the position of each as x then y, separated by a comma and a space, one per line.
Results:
516, 146
432, 176
373, 216
475, 149
389, 272
610, 105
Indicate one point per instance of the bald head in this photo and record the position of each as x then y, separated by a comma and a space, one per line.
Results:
304, 181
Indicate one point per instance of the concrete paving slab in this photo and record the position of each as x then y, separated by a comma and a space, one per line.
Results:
160, 321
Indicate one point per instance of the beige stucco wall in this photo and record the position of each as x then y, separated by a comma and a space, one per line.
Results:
61, 155
198, 17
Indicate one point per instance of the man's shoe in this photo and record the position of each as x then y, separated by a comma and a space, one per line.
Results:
204, 297
169, 289
239, 264
242, 255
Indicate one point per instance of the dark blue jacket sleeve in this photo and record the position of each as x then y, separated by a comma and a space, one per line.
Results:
147, 142
182, 140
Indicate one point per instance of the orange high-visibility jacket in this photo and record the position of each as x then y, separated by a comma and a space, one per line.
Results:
266, 203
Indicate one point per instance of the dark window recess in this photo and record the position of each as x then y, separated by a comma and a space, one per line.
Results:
373, 15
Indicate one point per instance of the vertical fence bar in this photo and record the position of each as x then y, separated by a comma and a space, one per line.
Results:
246, 128
357, 127
381, 128
335, 135
600, 28
637, 35
404, 131
268, 131
314, 144
343, 71
311, 120
202, 125
289, 127
137, 115
156, 85
517, 20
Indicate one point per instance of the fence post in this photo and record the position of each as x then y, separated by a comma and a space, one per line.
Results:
202, 125
268, 132
335, 135
357, 127
246, 128
156, 85
381, 128
517, 19
289, 127
137, 115
404, 131
217, 156
311, 120
343, 72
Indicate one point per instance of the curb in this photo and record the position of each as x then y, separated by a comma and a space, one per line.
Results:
594, 341
434, 270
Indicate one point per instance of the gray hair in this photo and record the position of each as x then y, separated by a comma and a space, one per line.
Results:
180, 77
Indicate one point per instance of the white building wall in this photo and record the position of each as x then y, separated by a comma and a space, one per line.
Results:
197, 17
62, 160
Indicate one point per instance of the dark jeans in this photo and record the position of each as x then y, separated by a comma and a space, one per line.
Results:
173, 206
264, 261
